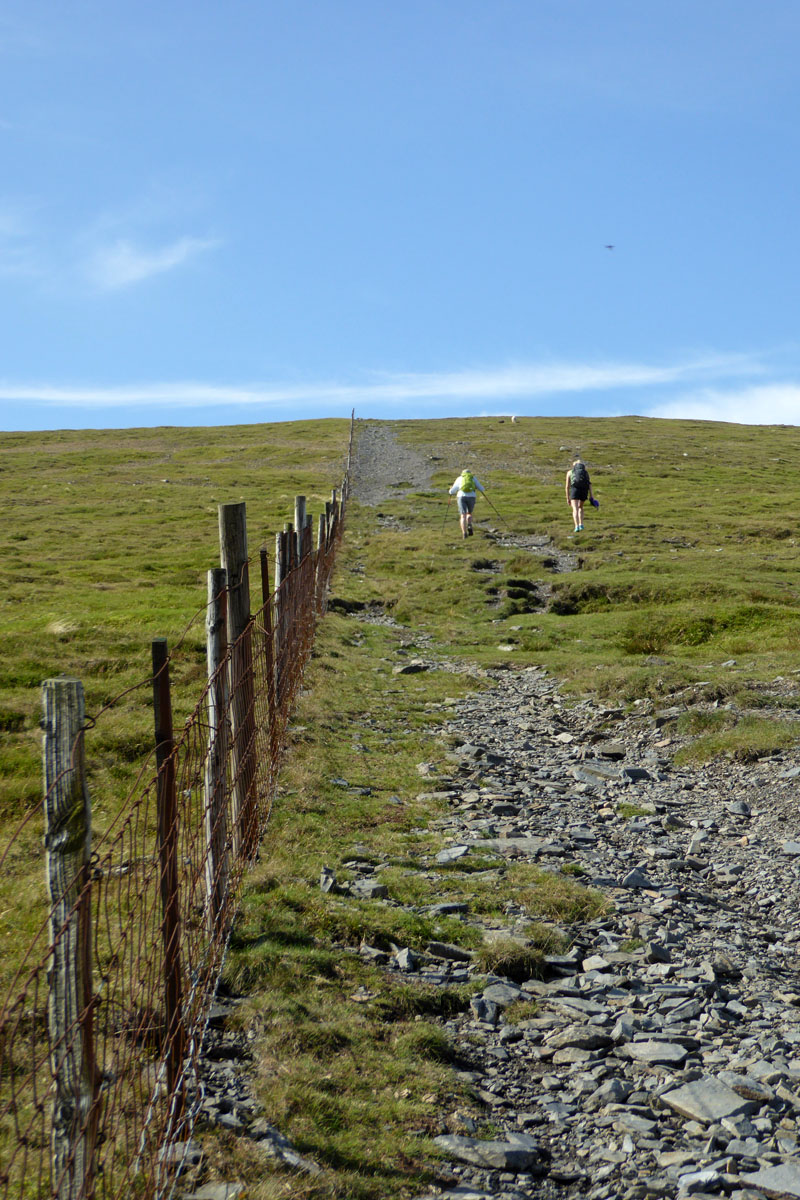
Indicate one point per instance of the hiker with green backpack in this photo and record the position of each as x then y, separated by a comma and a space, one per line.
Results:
465, 489
579, 489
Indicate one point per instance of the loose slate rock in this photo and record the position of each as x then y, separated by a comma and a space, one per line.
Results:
514, 1156
451, 854
665, 1054
638, 879
782, 1182
707, 1100
411, 668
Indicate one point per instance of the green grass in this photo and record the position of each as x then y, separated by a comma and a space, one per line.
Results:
688, 565
745, 740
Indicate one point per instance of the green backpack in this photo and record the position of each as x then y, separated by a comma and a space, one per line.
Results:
467, 481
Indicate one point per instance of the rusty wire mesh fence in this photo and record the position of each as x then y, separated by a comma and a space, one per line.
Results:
101, 1029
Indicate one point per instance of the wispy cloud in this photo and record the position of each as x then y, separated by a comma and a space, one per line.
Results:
769, 404
122, 263
518, 383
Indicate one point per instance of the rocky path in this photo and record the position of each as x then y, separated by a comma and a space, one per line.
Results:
382, 467
663, 1058
663, 1054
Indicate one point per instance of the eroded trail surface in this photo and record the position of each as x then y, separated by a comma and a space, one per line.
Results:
383, 468
663, 1055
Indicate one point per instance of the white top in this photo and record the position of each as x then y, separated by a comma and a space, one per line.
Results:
457, 488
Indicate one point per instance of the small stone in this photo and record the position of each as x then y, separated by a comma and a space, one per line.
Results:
638, 879
514, 1156
447, 951
580, 1037
484, 1010
406, 959
595, 962
502, 994
636, 774
656, 953
451, 854
327, 880
667, 1054
369, 889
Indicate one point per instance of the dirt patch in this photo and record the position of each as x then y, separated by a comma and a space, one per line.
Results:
382, 467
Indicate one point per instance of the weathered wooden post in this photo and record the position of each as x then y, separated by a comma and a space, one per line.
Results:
168, 854
320, 565
281, 571
269, 647
334, 515
216, 769
309, 590
299, 523
328, 525
233, 557
68, 839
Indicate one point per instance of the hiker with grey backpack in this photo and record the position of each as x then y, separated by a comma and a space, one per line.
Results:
465, 489
579, 490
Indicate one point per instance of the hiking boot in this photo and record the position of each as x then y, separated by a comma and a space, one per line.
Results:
580, 529
469, 530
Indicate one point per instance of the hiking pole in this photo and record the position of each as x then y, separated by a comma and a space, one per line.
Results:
500, 515
446, 511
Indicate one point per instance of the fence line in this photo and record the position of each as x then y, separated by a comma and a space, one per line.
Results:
101, 1030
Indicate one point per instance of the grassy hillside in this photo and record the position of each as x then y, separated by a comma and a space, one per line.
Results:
691, 557
686, 580
688, 565
106, 542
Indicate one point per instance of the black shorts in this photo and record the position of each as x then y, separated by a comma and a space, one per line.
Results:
579, 493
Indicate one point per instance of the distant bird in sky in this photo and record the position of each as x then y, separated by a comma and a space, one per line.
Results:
609, 247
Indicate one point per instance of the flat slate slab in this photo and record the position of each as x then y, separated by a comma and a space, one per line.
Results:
665, 1054
514, 1156
452, 853
707, 1100
781, 1183
524, 845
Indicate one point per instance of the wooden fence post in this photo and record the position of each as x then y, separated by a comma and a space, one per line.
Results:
320, 564
280, 606
300, 523
216, 770
68, 837
168, 853
269, 648
334, 516
328, 524
233, 557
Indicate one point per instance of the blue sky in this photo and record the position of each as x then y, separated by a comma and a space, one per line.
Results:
253, 211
